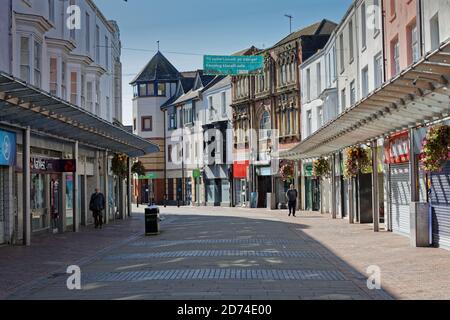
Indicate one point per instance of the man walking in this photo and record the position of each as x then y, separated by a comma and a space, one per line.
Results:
291, 196
96, 205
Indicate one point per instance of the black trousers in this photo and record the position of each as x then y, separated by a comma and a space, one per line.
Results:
98, 218
292, 206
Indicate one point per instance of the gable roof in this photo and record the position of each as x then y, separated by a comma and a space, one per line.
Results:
246, 52
159, 68
187, 80
324, 27
206, 79
218, 82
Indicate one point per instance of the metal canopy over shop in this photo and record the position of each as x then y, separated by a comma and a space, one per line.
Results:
417, 96
27, 106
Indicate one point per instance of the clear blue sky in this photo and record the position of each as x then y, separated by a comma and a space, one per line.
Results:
205, 27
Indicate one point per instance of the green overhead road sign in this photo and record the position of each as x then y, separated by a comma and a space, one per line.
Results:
232, 65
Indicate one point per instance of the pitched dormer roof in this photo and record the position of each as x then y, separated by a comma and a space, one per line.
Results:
324, 27
158, 69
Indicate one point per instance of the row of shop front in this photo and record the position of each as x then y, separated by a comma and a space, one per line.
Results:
53, 156
236, 185
394, 190
396, 193
52, 186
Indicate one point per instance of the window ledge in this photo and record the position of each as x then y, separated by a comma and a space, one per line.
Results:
393, 17
377, 32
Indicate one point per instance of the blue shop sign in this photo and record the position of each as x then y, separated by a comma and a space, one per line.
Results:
7, 148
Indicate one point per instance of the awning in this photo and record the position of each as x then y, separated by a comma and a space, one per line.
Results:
417, 96
25, 105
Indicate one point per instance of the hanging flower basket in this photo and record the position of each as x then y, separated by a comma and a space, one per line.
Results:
287, 171
321, 168
138, 168
119, 165
436, 148
357, 161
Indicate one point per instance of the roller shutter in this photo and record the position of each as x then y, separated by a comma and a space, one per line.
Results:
440, 203
400, 197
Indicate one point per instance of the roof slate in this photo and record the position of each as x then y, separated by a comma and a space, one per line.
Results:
159, 68
323, 27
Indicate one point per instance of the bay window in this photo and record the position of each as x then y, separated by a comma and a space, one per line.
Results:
37, 63
73, 88
63, 80
25, 59
53, 76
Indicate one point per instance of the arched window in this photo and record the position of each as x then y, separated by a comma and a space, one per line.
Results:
265, 126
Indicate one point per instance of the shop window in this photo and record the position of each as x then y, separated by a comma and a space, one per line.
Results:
37, 202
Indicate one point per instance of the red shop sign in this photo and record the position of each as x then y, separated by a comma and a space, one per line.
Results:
397, 148
240, 169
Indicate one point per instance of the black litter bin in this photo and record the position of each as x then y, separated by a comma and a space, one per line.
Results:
151, 220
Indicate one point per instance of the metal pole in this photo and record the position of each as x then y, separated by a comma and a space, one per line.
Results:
351, 206
129, 188
76, 219
106, 191
333, 187
84, 221
413, 168
26, 187
296, 183
375, 196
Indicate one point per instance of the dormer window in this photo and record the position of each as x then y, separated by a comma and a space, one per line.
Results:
142, 90
150, 89
161, 89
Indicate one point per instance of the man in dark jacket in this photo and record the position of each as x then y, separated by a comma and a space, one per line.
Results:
291, 196
96, 205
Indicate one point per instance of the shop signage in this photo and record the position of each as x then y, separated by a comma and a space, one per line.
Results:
397, 148
264, 171
53, 165
149, 176
308, 169
196, 173
232, 65
240, 169
7, 148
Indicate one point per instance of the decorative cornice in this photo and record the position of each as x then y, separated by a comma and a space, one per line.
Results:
38, 22
96, 69
66, 45
81, 59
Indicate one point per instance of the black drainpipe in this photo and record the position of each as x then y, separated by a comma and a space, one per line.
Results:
382, 27
10, 42
419, 22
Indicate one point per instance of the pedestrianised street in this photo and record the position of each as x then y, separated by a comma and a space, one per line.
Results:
224, 150
233, 254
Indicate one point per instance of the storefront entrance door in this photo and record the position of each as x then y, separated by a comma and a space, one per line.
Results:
264, 187
55, 202
315, 183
